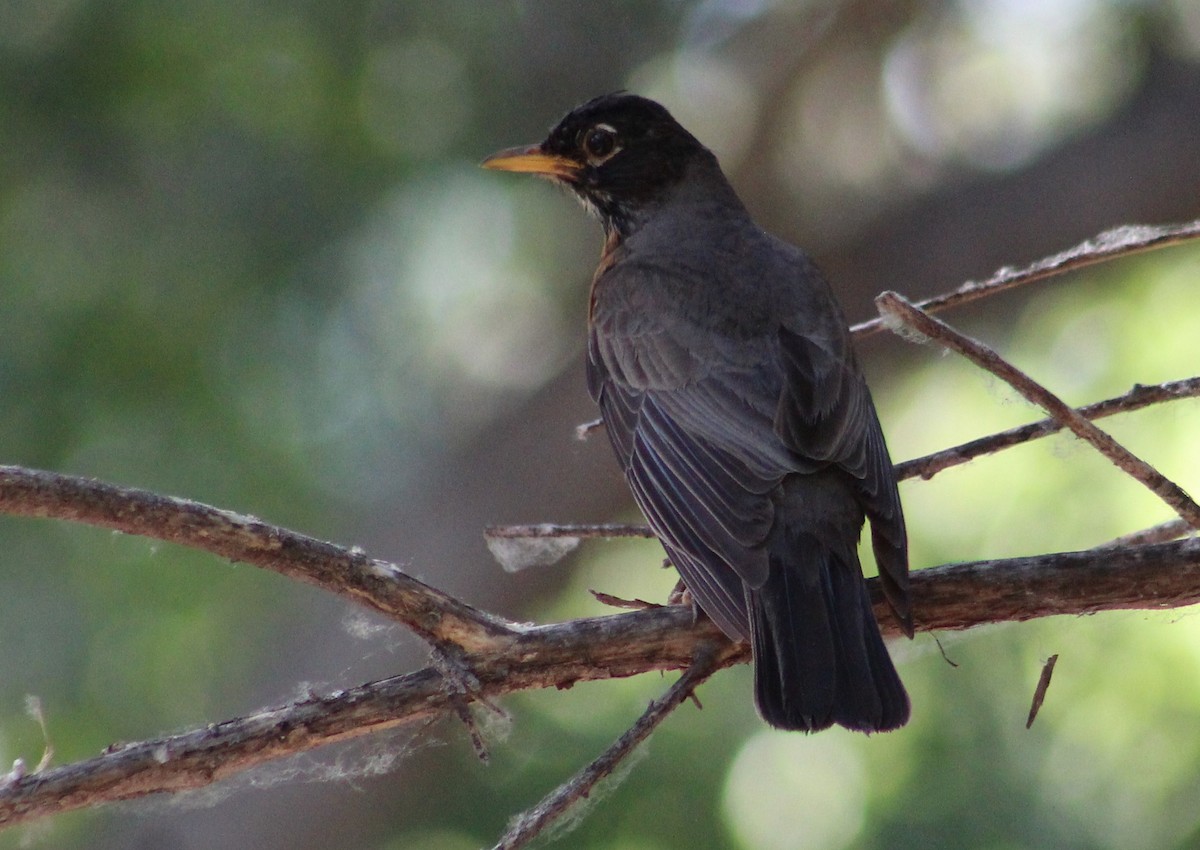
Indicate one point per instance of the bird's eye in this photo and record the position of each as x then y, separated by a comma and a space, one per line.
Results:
600, 143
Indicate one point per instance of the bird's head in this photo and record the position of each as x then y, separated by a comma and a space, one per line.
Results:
619, 153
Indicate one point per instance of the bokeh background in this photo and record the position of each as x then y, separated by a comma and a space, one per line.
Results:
247, 257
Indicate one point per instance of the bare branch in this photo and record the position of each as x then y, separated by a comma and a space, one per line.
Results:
894, 308
549, 656
480, 657
1164, 531
959, 596
962, 596
1140, 396
529, 825
925, 468
582, 531
349, 573
1109, 245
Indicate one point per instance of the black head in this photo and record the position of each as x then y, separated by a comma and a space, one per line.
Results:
620, 153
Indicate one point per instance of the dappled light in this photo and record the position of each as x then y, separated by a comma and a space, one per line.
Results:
247, 257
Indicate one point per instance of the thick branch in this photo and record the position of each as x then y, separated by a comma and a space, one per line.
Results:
550, 656
346, 572
959, 596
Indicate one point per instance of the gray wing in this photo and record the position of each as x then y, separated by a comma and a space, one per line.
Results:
707, 423
826, 412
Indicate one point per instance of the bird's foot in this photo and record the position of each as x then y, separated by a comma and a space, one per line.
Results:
680, 595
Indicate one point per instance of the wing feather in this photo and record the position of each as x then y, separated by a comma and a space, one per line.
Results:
707, 425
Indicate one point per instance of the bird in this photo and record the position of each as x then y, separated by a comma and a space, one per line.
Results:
728, 386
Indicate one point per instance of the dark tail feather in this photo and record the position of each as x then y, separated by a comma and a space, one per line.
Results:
819, 658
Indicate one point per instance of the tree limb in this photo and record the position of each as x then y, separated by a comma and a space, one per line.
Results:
959, 596
349, 573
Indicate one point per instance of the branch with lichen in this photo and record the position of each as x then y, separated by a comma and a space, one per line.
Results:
478, 656
503, 657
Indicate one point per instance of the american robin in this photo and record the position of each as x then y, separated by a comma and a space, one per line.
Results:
726, 379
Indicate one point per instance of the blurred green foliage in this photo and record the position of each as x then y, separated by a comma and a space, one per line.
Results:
245, 257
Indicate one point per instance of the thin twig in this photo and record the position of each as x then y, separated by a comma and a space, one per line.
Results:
942, 651
895, 309
958, 596
530, 824
581, 531
1111, 244
926, 467
436, 616
1140, 396
618, 602
1170, 530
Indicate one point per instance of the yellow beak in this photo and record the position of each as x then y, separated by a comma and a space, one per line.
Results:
532, 160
